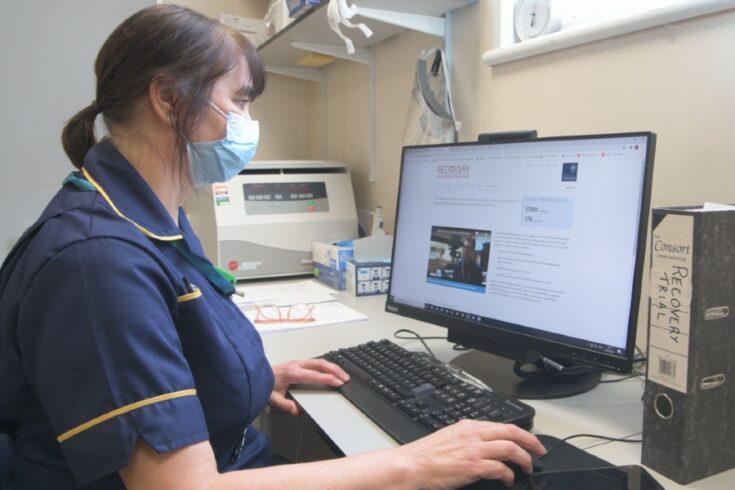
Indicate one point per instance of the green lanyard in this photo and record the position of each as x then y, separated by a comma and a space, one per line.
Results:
222, 280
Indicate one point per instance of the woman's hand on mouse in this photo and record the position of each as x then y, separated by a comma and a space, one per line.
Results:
471, 450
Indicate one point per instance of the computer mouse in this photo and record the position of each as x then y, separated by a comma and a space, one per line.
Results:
520, 481
538, 463
521, 477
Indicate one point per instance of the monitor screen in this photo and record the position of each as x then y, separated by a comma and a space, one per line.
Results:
533, 245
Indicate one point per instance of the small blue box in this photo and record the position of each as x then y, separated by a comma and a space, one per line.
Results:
294, 6
334, 255
330, 277
367, 278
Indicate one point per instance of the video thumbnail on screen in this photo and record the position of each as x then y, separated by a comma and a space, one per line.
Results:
459, 257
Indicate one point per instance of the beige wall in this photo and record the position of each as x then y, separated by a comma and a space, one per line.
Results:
346, 86
213, 8
395, 73
347, 118
288, 112
676, 81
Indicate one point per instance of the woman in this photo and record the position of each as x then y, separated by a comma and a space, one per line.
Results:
124, 362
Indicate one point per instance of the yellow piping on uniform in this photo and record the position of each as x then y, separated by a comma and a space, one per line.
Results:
141, 228
122, 410
189, 296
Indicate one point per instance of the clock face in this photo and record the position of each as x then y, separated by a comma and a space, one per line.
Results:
532, 18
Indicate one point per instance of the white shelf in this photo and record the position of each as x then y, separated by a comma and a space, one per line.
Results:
312, 26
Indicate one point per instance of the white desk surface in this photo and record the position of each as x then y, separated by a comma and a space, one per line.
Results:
613, 409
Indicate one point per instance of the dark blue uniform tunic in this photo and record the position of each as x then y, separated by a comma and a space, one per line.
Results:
108, 334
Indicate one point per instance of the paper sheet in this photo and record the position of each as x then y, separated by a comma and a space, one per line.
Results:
308, 291
327, 313
670, 291
327, 310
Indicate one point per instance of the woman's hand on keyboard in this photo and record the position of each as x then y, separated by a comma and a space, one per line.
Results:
471, 450
311, 371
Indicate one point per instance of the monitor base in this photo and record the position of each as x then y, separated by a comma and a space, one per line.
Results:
497, 372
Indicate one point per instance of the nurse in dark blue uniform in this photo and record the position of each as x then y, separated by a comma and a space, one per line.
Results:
124, 362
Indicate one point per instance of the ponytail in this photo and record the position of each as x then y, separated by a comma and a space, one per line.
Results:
78, 134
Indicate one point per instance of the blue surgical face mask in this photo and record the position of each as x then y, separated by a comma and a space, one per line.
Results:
221, 160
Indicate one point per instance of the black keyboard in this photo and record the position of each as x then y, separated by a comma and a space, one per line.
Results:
410, 395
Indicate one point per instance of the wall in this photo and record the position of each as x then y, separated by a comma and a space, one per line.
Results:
288, 112
213, 8
47, 76
676, 81
671, 80
395, 72
347, 118
346, 88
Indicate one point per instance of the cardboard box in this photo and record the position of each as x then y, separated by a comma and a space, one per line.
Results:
330, 277
367, 278
334, 255
688, 428
330, 261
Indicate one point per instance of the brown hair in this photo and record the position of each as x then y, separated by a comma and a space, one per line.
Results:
184, 49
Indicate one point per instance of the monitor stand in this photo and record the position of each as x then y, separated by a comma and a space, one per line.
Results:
497, 372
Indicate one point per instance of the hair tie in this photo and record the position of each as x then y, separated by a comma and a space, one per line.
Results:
95, 107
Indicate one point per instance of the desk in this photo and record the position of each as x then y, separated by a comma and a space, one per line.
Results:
610, 409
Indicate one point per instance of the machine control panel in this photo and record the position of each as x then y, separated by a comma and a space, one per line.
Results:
285, 197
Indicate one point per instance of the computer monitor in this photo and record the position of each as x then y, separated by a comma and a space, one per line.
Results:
530, 250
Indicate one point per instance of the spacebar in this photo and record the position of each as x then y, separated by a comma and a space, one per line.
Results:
395, 423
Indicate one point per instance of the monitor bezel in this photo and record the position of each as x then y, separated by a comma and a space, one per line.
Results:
508, 343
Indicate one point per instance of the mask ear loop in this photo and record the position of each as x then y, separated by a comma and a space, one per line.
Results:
217, 109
